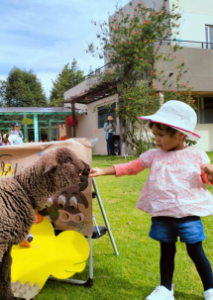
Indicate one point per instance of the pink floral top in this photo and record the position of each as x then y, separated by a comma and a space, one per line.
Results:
175, 186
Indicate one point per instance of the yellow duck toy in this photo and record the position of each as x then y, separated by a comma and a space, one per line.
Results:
43, 254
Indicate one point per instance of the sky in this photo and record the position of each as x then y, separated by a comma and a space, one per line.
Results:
44, 35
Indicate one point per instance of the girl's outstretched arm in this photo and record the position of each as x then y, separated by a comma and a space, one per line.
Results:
101, 172
130, 168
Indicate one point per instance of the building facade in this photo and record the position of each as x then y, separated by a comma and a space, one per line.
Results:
196, 36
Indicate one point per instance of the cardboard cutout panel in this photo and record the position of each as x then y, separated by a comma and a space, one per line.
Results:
69, 209
61, 256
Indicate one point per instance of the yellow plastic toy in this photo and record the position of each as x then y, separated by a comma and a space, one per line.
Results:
60, 256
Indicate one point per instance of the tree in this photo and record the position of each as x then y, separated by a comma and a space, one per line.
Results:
3, 86
22, 89
68, 78
132, 45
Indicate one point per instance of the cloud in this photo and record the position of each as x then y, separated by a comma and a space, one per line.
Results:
43, 36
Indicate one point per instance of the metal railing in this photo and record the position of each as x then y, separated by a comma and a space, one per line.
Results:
93, 73
185, 43
179, 42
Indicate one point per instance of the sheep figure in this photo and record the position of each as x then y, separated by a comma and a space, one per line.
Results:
29, 190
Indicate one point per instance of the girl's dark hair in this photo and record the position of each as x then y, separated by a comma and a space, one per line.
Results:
171, 131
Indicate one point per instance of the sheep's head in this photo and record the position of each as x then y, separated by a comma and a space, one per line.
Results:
64, 168
56, 169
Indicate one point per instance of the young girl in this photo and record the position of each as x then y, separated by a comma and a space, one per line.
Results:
174, 194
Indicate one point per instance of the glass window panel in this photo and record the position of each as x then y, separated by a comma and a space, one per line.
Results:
211, 36
206, 111
104, 112
207, 36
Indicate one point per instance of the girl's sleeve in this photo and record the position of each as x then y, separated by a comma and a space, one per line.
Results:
135, 166
204, 159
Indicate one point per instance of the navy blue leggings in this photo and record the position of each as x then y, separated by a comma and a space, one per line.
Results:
197, 255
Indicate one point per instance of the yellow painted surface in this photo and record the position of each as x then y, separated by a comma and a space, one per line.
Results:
61, 256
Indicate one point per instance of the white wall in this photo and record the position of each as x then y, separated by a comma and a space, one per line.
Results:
206, 133
195, 15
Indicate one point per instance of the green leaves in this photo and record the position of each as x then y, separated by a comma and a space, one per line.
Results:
69, 77
22, 89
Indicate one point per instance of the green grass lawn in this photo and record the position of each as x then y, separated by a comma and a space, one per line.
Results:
135, 272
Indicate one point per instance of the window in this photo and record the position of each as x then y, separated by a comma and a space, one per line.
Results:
205, 110
104, 112
209, 36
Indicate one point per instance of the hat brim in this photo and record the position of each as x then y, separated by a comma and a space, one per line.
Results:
192, 136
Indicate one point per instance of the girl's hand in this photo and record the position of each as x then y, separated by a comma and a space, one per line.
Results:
100, 172
208, 169
96, 172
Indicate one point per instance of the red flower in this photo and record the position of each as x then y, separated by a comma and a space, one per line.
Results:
175, 56
129, 98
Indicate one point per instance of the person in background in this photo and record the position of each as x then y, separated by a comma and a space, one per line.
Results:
0, 139
110, 129
5, 139
16, 131
13, 139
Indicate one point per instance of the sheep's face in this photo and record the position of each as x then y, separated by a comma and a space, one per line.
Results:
64, 169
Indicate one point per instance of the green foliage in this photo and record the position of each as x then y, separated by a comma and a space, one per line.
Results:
131, 43
68, 78
3, 86
22, 89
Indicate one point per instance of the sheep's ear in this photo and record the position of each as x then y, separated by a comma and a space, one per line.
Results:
50, 167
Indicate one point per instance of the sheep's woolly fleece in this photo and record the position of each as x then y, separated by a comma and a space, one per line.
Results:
19, 197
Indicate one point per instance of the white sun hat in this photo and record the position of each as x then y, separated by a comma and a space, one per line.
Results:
177, 115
